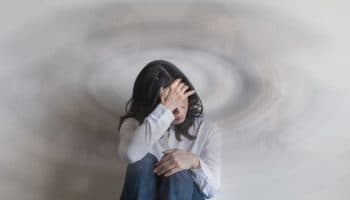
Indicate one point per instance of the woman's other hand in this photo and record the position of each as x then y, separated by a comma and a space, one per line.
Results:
175, 160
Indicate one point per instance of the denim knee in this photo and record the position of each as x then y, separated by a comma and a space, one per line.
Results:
145, 164
183, 177
140, 181
177, 186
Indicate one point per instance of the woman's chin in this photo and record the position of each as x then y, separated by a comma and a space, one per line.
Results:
178, 121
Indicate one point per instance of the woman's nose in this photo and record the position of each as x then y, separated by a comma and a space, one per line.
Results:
176, 111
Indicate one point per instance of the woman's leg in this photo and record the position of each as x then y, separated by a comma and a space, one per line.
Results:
179, 186
197, 194
140, 181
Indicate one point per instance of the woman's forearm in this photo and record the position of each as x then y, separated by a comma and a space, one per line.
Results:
135, 141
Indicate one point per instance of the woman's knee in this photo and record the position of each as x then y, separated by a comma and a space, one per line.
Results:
145, 164
181, 177
177, 186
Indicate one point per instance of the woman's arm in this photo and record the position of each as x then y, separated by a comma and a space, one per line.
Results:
208, 175
135, 139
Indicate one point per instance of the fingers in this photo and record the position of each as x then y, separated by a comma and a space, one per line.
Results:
167, 169
167, 166
184, 88
165, 158
189, 93
175, 93
173, 171
164, 167
161, 165
175, 83
179, 87
174, 86
170, 150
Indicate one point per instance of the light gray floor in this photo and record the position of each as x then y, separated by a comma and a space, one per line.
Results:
273, 75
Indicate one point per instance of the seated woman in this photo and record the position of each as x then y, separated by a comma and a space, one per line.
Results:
173, 152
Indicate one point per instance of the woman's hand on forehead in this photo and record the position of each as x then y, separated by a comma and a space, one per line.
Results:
175, 83
175, 95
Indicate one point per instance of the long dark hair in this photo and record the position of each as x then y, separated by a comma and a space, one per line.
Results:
146, 91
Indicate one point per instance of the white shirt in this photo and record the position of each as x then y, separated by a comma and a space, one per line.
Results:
156, 134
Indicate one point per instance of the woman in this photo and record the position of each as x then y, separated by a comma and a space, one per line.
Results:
173, 152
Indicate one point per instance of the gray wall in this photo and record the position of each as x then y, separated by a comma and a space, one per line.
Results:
273, 75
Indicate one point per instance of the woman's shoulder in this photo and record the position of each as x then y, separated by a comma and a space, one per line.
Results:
129, 122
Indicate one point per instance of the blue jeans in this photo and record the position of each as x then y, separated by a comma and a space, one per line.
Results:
141, 183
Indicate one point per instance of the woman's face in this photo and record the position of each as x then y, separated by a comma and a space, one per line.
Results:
180, 112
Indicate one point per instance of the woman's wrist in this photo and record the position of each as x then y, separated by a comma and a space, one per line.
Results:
196, 162
168, 106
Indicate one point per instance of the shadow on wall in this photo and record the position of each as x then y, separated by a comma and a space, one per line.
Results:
83, 158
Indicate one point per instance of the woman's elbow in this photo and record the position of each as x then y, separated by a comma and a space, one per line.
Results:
130, 154
213, 191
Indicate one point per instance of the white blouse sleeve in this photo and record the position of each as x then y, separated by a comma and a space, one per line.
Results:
135, 139
208, 175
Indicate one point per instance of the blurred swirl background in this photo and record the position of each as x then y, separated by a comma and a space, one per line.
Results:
273, 75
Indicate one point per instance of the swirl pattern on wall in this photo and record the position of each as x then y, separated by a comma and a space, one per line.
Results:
79, 66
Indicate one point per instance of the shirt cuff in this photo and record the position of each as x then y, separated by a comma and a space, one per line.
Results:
164, 113
203, 170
